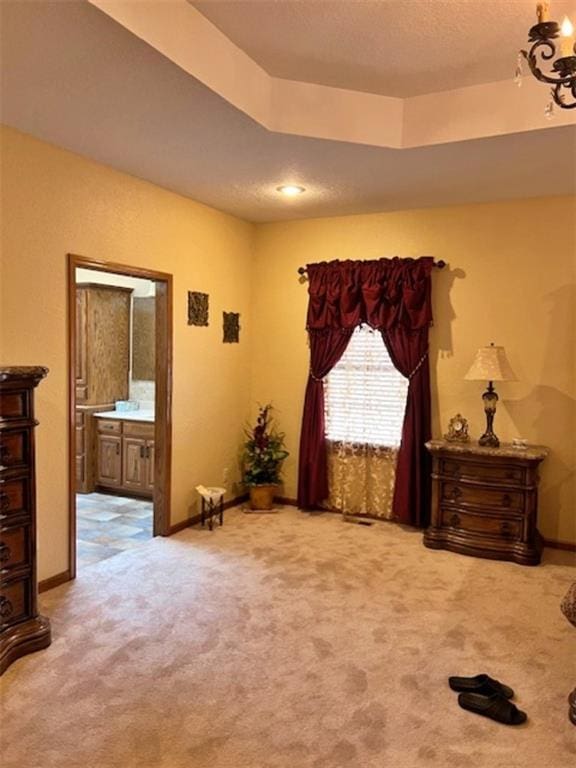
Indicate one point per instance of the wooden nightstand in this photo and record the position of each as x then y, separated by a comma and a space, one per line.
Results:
485, 501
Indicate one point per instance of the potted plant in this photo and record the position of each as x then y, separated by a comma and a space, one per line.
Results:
263, 455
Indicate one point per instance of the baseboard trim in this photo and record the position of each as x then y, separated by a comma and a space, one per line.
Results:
235, 501
568, 546
54, 581
177, 527
286, 500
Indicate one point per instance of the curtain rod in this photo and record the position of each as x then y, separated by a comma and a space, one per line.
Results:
440, 264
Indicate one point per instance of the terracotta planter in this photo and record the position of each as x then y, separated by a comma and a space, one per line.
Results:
262, 496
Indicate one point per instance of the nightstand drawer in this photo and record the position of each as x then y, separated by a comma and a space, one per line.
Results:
482, 524
460, 493
482, 473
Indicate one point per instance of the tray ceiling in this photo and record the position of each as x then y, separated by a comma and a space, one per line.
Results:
76, 78
388, 47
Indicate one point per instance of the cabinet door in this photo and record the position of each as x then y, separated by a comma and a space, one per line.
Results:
80, 353
109, 460
107, 343
150, 465
79, 474
134, 463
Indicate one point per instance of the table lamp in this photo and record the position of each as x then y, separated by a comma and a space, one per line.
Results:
490, 364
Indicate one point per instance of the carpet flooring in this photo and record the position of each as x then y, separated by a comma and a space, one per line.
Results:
293, 641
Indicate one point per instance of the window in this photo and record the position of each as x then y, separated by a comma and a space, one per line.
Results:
364, 395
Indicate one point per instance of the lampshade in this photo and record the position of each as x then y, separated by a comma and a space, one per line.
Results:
491, 364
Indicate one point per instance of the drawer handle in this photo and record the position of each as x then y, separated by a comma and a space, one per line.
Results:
456, 493
455, 521
4, 502
506, 529
6, 607
506, 500
5, 552
4, 453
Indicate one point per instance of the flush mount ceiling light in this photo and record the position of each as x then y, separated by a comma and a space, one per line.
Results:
290, 190
560, 69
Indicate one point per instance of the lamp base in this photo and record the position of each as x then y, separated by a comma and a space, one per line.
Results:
490, 398
489, 440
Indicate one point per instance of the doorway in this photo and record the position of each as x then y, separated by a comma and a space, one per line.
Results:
120, 375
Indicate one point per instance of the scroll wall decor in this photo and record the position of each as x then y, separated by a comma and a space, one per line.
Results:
197, 308
231, 327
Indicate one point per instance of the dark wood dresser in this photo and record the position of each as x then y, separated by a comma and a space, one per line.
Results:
22, 630
485, 501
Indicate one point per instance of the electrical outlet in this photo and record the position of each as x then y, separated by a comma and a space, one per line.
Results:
225, 474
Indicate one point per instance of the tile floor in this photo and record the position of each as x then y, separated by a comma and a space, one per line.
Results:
108, 525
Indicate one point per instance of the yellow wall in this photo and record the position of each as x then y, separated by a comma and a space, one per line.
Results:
512, 280
53, 203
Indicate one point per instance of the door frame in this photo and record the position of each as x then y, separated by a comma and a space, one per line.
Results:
163, 392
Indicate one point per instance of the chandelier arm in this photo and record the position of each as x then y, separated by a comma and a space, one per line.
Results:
559, 98
546, 54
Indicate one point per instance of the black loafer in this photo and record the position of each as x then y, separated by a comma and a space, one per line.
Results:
495, 707
481, 684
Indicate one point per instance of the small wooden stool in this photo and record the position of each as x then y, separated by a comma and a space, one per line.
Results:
212, 505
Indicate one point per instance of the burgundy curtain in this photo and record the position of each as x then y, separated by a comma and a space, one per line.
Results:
392, 295
408, 350
326, 348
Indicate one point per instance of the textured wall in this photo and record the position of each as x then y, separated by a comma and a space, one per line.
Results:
54, 202
512, 280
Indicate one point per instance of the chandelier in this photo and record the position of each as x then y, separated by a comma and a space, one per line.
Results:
545, 63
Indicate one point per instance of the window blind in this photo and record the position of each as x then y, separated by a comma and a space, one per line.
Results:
364, 395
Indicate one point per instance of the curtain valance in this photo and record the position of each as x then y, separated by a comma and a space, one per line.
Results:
393, 296
383, 293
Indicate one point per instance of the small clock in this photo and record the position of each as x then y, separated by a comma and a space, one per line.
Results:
457, 430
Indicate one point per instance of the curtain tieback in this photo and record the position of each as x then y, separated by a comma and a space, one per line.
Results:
315, 378
419, 365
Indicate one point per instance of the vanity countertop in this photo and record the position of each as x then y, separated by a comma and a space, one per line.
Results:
139, 415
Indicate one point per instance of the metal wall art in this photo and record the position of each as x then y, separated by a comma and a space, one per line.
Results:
231, 325
197, 308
